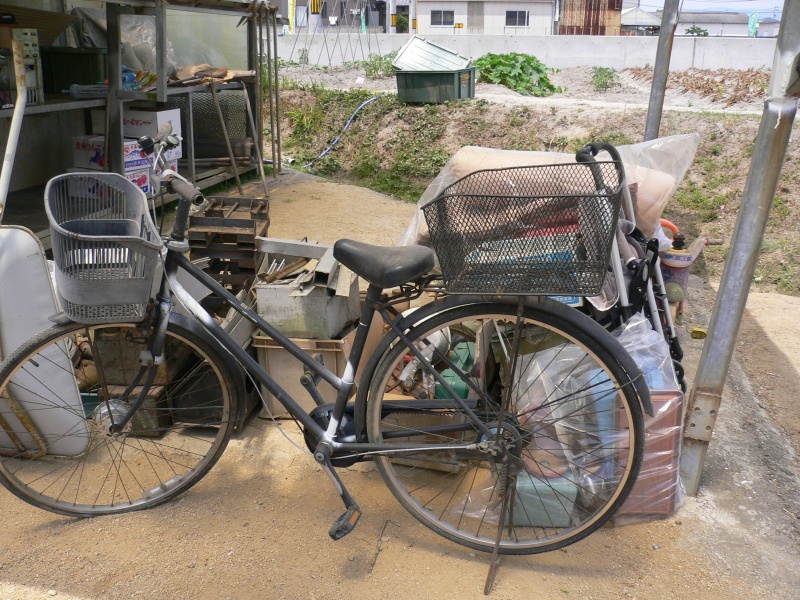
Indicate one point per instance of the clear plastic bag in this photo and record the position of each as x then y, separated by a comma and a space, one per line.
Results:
569, 452
650, 351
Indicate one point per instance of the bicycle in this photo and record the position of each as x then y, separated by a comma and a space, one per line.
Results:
509, 424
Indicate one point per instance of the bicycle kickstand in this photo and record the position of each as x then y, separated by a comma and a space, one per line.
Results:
349, 519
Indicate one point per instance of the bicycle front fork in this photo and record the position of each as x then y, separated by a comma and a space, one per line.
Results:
149, 360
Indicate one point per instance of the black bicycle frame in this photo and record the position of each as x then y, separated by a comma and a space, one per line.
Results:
175, 260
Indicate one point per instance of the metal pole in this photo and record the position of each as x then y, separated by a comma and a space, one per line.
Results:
278, 163
254, 30
762, 181
271, 86
669, 21
258, 149
16, 122
225, 135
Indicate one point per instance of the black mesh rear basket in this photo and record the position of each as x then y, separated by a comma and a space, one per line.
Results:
527, 230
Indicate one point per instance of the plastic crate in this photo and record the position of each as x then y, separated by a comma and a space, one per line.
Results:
105, 246
541, 230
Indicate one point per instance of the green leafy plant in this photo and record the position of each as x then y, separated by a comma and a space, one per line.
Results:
402, 23
697, 31
604, 78
522, 73
378, 67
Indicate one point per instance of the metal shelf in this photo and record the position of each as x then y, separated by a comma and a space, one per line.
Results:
56, 105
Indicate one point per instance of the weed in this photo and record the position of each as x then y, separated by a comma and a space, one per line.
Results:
705, 205
523, 73
305, 124
780, 208
378, 67
604, 78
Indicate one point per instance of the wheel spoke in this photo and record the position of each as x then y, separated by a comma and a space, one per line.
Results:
72, 399
565, 422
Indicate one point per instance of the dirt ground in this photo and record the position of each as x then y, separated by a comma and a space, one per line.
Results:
575, 82
256, 526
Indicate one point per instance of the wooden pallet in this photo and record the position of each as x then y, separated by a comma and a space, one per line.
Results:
226, 234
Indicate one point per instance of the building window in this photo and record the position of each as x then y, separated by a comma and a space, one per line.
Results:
443, 18
517, 18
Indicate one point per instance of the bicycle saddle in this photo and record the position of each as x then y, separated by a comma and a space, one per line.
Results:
386, 267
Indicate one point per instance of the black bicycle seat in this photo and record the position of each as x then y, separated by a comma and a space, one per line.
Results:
386, 267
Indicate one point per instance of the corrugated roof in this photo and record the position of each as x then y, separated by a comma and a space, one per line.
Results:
418, 54
712, 17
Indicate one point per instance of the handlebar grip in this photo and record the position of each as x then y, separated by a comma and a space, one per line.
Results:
610, 148
189, 195
187, 191
586, 154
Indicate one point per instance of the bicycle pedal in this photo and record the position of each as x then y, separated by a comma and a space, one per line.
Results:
345, 524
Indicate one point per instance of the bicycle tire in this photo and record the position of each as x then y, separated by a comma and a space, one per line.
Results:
69, 401
577, 425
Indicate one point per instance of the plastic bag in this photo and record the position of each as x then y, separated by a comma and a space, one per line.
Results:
649, 350
654, 168
658, 491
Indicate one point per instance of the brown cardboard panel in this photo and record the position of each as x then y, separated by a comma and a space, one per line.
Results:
49, 24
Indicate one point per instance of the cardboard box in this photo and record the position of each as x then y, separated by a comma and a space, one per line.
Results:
287, 370
142, 121
140, 176
88, 152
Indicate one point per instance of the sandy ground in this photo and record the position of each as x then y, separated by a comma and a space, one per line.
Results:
256, 526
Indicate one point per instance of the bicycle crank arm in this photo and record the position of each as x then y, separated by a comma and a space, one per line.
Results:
349, 519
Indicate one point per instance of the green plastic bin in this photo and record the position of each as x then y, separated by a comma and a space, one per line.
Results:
435, 87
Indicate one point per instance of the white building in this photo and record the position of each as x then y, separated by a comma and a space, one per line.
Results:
768, 27
490, 17
635, 21
726, 24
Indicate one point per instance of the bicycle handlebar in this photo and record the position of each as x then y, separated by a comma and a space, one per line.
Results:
189, 195
587, 153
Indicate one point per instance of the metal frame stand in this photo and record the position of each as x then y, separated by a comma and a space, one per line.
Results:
762, 181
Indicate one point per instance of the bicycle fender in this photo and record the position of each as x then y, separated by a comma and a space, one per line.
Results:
233, 365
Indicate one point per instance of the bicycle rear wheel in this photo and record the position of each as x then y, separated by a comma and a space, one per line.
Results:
60, 392
572, 428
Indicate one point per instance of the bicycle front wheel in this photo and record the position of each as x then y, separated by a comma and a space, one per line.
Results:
544, 390
61, 392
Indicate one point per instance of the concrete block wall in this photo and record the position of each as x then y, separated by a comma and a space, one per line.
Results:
560, 52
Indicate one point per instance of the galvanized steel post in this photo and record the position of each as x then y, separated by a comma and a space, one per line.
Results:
669, 21
762, 180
